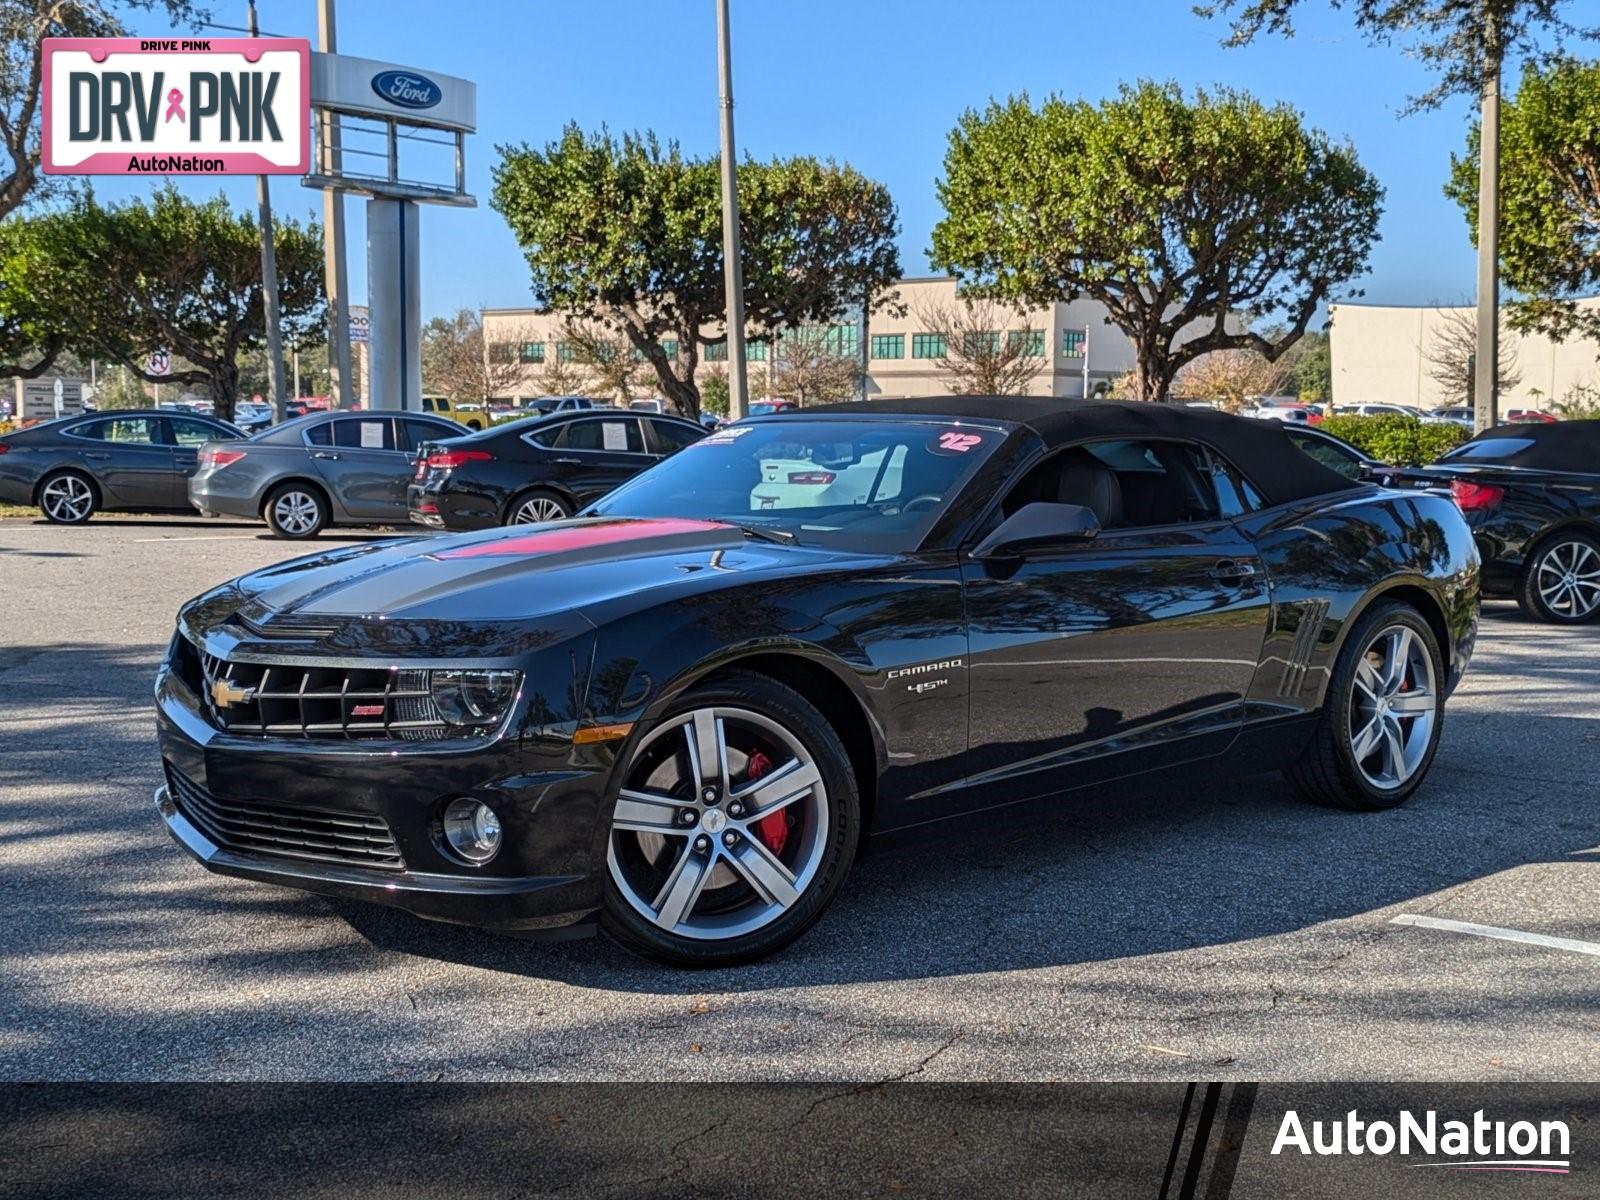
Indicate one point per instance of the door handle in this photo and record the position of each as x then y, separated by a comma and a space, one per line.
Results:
324, 454
1228, 571
569, 462
97, 456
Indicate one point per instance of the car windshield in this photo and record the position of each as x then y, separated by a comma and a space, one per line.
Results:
874, 485
1494, 449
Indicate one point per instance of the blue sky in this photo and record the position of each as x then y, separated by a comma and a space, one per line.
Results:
877, 83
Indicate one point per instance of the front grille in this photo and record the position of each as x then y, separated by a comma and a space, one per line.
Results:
254, 827
304, 700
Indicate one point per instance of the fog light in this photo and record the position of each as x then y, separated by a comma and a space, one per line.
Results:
472, 830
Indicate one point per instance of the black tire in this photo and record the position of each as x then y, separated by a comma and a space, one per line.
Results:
311, 502
68, 497
1546, 556
786, 707
1327, 772
554, 501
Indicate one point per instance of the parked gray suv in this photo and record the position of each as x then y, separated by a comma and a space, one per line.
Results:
339, 468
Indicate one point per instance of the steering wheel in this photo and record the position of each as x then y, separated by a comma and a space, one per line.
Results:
927, 500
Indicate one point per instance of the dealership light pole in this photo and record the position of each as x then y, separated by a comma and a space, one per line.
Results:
269, 284
1486, 369
732, 269
333, 264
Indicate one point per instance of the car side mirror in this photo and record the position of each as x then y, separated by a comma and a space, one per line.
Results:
1039, 526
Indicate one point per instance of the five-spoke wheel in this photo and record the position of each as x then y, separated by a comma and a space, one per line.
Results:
734, 824
1381, 715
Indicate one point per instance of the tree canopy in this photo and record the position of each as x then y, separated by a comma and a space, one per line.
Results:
1194, 221
1549, 196
118, 282
1458, 39
627, 232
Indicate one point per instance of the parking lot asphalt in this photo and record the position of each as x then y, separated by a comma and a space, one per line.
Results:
1227, 930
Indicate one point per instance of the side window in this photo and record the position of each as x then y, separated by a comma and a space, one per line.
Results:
607, 435
1126, 484
672, 437
364, 433
1234, 495
191, 433
414, 433
1328, 455
320, 435
129, 431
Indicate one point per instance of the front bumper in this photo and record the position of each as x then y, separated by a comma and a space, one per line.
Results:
548, 875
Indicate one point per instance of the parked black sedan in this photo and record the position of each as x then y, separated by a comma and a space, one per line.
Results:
1531, 493
537, 470
684, 712
134, 460
332, 468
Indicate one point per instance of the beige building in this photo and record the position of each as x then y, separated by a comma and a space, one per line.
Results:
1076, 346
1386, 354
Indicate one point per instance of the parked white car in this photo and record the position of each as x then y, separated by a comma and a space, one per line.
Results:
1376, 410
1449, 414
810, 483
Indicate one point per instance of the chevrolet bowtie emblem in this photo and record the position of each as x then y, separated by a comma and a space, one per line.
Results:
225, 695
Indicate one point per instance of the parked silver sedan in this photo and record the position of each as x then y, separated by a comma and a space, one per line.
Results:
338, 468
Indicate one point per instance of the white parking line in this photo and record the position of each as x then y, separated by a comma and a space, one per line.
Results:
1504, 935
205, 537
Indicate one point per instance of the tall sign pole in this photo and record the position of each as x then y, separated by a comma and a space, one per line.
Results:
732, 268
333, 262
269, 284
1486, 368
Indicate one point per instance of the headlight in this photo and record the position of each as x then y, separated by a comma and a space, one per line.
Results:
473, 697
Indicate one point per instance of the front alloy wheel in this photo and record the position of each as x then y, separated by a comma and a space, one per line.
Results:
1562, 584
734, 826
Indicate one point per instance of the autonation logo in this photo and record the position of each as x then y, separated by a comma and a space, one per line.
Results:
1478, 1145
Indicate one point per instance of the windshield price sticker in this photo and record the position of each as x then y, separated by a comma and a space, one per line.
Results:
953, 441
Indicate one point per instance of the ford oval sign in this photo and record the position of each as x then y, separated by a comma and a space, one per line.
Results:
407, 89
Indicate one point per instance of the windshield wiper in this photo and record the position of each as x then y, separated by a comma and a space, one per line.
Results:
780, 536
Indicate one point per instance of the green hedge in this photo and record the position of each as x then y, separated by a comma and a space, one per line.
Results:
1396, 440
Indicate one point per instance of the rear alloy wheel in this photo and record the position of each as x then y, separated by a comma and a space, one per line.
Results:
1381, 717
735, 825
296, 511
66, 499
1561, 584
535, 508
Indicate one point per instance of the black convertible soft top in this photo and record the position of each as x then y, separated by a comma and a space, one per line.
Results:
1274, 464
1570, 447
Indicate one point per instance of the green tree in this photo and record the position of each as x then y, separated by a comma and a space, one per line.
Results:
628, 233
24, 24
1169, 211
1466, 43
1549, 196
1313, 369
173, 274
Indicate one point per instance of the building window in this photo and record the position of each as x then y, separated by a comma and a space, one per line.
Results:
717, 351
755, 351
927, 345
502, 352
564, 352
669, 347
888, 345
842, 340
533, 352
1072, 342
979, 343
1027, 342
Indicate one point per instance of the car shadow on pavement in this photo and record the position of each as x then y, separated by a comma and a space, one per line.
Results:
1118, 875
1106, 877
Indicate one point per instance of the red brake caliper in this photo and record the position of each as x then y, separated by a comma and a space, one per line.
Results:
772, 829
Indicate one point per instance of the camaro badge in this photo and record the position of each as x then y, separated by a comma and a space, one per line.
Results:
225, 695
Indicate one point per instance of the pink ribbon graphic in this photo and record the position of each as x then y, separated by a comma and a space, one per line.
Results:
174, 106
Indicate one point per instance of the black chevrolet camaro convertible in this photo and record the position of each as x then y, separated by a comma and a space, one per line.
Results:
1531, 494
680, 714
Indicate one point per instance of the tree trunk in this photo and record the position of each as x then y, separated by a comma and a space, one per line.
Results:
682, 394
225, 389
